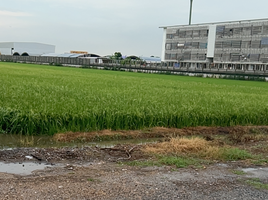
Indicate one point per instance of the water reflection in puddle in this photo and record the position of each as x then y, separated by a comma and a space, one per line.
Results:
8, 141
21, 168
249, 169
261, 173
14, 141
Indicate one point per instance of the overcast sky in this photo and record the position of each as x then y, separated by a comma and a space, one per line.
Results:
106, 26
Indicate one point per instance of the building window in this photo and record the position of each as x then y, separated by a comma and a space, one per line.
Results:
247, 30
188, 45
203, 45
194, 56
218, 45
174, 46
256, 30
180, 56
182, 34
236, 44
195, 45
237, 31
246, 44
203, 33
265, 30
217, 56
254, 57
227, 44
201, 56
226, 57
220, 31
189, 34
264, 58
196, 33
228, 32
169, 36
167, 56
187, 55
173, 56
255, 44
168, 46
235, 57
264, 42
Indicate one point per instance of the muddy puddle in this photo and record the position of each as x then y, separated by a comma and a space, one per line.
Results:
8, 141
249, 169
24, 168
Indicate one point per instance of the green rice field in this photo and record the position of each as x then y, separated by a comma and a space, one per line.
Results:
39, 99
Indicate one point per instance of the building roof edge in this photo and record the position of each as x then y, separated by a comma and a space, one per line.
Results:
215, 23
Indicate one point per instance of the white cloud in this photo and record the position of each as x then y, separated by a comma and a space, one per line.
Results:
14, 14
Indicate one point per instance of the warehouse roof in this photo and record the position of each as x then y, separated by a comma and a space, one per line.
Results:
70, 55
50, 54
151, 59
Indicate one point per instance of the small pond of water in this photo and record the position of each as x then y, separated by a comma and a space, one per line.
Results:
21, 168
249, 169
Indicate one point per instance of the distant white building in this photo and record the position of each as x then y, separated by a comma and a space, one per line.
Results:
239, 45
25, 48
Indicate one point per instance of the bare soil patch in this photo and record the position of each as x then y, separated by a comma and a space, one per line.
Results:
74, 155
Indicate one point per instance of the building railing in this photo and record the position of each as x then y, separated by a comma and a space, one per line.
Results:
251, 69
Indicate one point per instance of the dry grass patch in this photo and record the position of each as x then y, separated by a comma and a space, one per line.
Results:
241, 137
245, 134
197, 148
236, 134
96, 136
179, 146
183, 146
257, 148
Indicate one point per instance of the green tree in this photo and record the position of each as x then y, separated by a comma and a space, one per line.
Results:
118, 55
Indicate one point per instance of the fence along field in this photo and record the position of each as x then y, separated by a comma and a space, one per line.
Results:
38, 99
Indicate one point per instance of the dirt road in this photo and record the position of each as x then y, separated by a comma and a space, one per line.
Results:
94, 173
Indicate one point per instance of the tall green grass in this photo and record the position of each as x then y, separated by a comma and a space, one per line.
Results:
37, 99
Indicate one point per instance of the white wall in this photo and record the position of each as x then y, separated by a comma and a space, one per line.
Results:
211, 41
6, 48
164, 44
33, 49
5, 51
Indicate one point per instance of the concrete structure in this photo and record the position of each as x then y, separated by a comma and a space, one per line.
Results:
238, 45
25, 48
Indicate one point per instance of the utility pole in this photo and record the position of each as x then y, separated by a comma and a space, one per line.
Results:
190, 17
